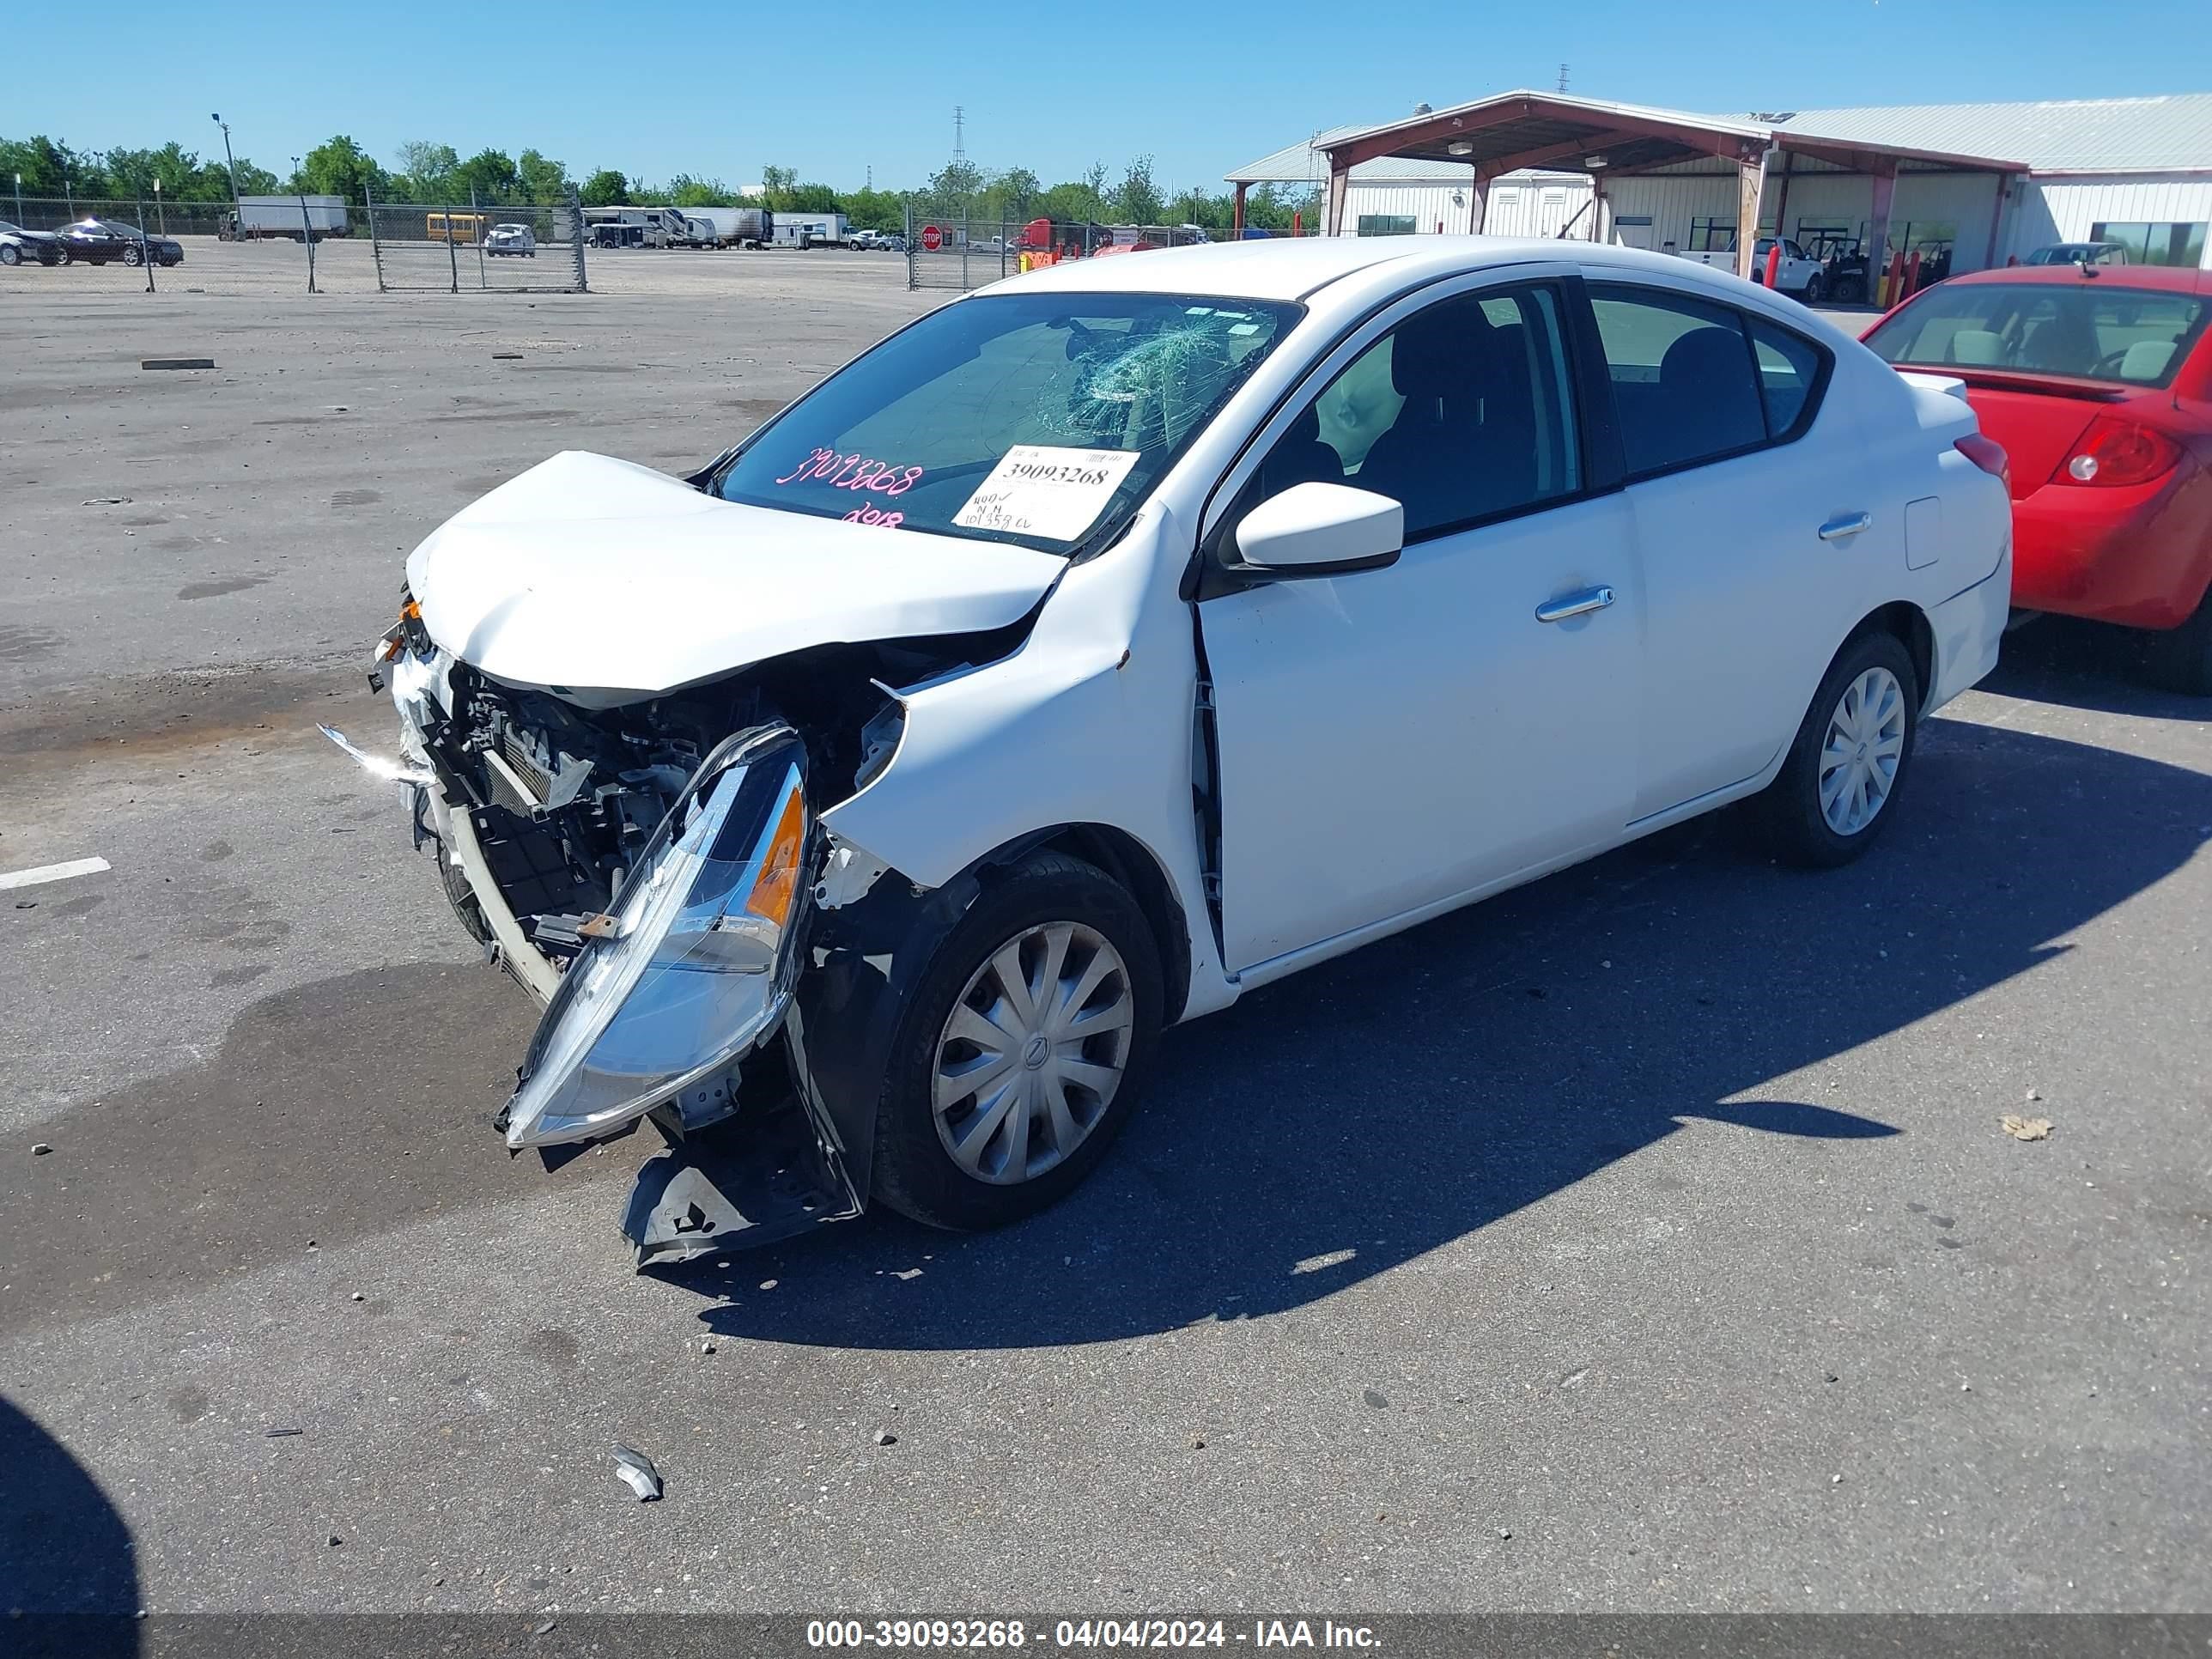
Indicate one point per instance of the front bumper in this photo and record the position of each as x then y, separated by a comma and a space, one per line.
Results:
757, 1152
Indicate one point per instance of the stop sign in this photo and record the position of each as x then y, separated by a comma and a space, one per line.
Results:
932, 238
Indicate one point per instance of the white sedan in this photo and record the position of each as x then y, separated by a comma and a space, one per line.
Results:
1134, 633
517, 241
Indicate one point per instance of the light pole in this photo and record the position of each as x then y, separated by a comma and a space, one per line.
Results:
161, 219
237, 202
19, 198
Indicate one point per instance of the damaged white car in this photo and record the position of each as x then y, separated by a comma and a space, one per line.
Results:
1131, 634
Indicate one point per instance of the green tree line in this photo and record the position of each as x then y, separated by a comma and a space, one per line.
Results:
426, 172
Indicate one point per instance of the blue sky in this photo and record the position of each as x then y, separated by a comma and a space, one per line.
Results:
658, 87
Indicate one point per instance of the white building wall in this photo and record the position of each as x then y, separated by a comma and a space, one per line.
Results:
2063, 209
2041, 211
1426, 205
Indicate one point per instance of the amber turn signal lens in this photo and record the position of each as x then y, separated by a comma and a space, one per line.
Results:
778, 885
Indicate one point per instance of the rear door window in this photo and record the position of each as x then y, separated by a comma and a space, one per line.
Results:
1790, 370
1682, 375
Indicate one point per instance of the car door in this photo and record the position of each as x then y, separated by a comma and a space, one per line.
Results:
1395, 739
1748, 510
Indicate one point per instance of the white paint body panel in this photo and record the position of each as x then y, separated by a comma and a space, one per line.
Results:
1394, 742
616, 582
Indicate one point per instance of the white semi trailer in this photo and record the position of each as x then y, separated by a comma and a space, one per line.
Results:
290, 217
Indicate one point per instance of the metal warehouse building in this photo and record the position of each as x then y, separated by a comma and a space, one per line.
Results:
1976, 184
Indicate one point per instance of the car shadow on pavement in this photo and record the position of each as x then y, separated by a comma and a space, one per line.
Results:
1346, 1120
69, 1570
2088, 666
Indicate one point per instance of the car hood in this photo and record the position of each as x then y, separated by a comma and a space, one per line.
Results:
608, 582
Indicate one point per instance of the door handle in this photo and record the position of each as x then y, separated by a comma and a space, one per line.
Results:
1574, 605
1849, 524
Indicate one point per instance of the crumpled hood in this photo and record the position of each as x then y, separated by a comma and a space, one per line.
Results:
608, 582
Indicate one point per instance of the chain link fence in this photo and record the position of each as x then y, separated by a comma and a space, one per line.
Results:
163, 218
946, 251
448, 248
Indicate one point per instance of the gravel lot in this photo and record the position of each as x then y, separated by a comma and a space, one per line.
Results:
1646, 1239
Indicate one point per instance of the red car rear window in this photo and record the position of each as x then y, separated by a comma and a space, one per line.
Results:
2096, 330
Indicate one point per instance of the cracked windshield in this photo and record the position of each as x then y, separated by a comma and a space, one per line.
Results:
1041, 419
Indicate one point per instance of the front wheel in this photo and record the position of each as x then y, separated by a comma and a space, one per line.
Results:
1811, 296
1839, 785
1022, 1049
132, 256
10, 254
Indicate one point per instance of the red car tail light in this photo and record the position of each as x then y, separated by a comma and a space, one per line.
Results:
1988, 454
2117, 452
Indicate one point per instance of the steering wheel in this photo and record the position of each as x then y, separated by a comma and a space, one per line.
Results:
2110, 364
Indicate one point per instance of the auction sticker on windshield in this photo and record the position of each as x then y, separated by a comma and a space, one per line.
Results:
1038, 489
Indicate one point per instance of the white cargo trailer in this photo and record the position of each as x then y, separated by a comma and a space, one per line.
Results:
291, 217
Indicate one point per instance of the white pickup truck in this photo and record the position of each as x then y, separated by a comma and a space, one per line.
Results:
1800, 275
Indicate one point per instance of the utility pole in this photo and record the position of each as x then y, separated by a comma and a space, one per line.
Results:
959, 133
237, 202
1563, 77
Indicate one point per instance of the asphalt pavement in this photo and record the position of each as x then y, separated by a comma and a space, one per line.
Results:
1644, 1239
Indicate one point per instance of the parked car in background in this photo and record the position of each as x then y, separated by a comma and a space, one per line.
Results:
88, 241
2078, 254
19, 247
2098, 382
140, 246
516, 241
948, 744
1800, 275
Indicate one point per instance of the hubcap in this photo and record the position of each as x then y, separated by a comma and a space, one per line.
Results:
1032, 1053
1865, 744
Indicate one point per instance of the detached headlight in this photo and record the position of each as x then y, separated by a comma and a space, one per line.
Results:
694, 963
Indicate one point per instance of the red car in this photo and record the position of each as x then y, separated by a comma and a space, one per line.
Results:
2097, 381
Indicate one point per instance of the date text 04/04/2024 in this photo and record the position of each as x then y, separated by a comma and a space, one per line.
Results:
1109, 1633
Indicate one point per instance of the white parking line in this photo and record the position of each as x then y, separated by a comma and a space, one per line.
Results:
46, 872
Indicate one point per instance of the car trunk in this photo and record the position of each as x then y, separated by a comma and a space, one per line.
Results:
2038, 421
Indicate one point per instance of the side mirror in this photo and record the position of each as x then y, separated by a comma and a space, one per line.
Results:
1321, 530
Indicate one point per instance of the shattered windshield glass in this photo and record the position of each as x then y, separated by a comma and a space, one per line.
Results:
1037, 418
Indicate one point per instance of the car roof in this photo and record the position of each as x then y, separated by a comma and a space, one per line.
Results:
2177, 278
1298, 268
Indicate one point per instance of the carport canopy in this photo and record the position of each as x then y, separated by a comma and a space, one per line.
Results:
1552, 132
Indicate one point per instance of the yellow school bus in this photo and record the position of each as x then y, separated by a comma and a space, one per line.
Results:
457, 226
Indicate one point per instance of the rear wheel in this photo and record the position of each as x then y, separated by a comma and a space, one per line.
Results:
10, 254
1022, 1050
2181, 660
1838, 787
134, 256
